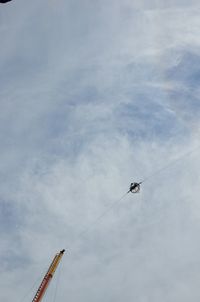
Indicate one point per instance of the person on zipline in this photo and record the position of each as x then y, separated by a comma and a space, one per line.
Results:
134, 187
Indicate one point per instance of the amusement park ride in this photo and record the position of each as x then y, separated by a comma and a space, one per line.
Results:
48, 276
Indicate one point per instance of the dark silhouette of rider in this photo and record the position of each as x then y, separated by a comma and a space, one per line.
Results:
134, 187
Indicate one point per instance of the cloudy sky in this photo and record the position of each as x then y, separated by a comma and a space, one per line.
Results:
94, 95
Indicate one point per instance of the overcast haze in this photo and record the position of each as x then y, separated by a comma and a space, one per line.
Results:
95, 94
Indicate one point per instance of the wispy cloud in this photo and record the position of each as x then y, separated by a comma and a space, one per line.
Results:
94, 95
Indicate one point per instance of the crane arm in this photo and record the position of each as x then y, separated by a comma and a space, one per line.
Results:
48, 276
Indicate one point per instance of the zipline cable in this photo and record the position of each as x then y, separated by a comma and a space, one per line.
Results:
92, 224
172, 163
87, 229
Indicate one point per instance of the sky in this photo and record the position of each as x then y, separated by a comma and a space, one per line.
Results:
95, 95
